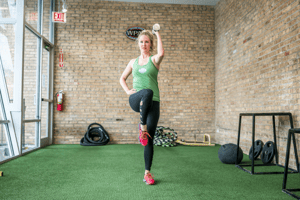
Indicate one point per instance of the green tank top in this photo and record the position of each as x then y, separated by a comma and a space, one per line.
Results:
145, 77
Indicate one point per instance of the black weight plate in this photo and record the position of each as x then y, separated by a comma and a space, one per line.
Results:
258, 146
268, 152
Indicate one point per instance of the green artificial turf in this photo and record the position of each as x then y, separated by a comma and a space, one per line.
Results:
116, 172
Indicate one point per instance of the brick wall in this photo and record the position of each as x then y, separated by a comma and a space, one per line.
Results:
257, 68
96, 51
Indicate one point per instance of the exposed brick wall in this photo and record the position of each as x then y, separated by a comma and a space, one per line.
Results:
257, 68
96, 51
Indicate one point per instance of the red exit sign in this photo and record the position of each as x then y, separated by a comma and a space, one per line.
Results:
59, 17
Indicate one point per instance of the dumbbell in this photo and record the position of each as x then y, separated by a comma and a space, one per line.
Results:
155, 28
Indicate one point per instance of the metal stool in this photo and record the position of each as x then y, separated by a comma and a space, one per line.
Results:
286, 168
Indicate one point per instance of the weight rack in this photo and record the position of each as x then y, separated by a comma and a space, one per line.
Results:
274, 135
291, 133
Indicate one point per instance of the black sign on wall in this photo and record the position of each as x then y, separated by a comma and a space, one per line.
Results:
133, 32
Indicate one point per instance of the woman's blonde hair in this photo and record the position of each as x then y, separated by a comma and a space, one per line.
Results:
150, 36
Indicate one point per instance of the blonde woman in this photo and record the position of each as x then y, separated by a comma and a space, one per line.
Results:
144, 96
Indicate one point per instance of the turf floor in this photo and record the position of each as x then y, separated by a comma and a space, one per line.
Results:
116, 172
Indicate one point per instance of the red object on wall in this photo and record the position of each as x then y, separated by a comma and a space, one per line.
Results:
60, 100
60, 107
59, 17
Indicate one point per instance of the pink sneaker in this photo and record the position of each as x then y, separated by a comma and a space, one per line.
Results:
143, 136
148, 179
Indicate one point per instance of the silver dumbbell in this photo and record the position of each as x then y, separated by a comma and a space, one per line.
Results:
155, 28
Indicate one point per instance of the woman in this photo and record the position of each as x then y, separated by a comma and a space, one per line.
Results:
144, 96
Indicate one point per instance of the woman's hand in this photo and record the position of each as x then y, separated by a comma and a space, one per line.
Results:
130, 92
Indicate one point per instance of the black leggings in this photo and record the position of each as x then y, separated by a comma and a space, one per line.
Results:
149, 114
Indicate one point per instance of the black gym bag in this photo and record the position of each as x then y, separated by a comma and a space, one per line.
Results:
92, 132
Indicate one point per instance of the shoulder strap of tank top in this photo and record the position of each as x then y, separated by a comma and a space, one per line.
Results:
151, 59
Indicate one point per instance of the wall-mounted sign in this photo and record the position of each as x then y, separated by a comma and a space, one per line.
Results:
133, 32
59, 17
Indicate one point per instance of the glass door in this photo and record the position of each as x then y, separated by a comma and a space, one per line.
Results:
31, 92
46, 100
36, 91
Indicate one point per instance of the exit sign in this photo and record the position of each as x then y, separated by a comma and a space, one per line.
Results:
59, 17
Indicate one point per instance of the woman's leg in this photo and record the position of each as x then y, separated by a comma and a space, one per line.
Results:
141, 102
152, 120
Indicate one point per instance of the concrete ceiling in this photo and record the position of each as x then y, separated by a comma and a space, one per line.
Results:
189, 2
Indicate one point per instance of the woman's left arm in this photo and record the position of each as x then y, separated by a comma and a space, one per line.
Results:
160, 51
